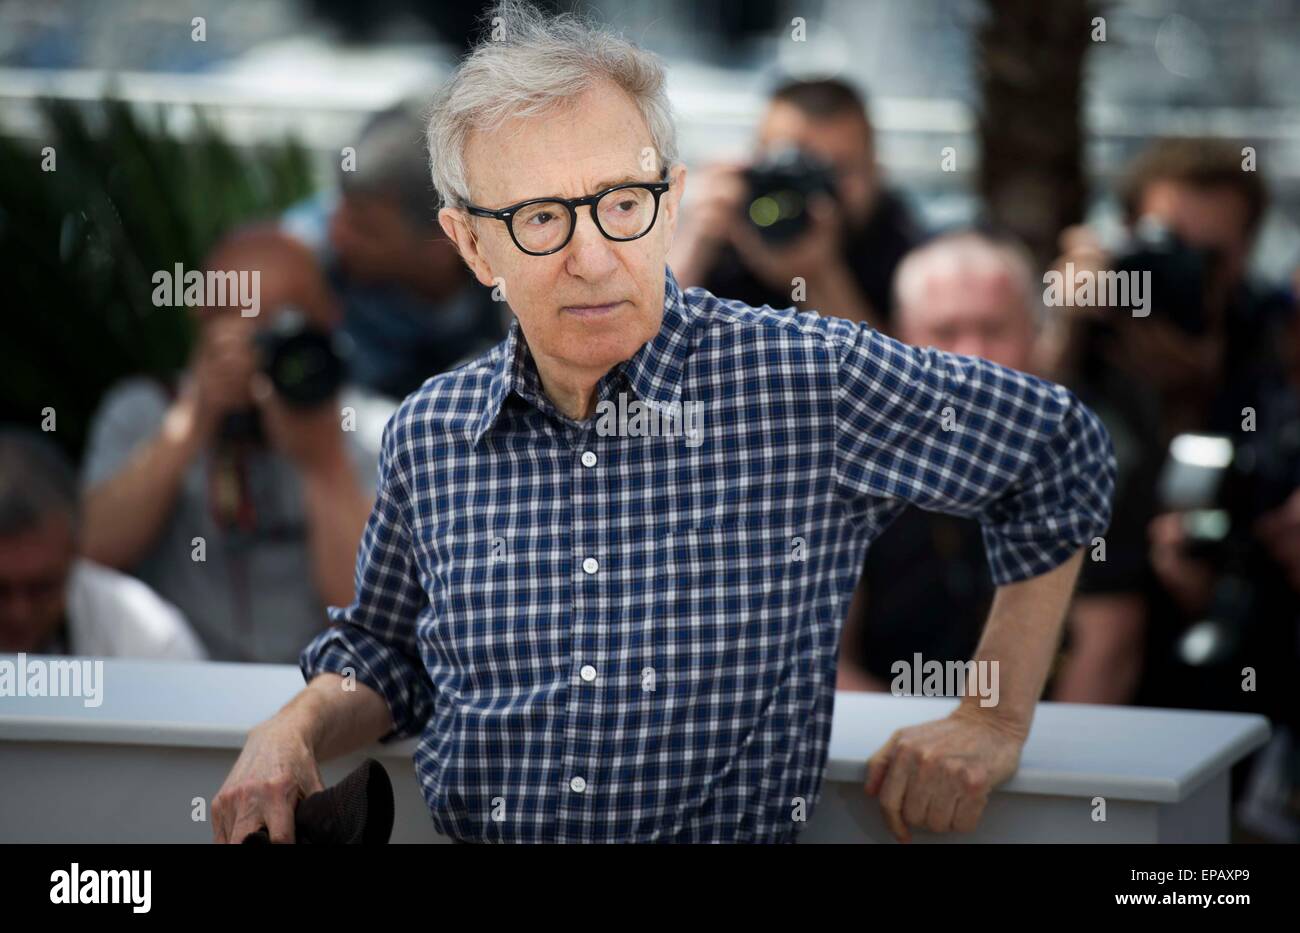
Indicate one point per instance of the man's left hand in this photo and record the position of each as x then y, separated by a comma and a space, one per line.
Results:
938, 775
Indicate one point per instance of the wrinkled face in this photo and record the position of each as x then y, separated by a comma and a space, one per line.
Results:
843, 141
594, 303
34, 567
975, 315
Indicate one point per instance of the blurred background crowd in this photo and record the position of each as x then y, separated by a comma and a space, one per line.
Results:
174, 481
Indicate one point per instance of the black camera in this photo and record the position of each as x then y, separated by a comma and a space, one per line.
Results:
780, 187
1220, 486
306, 364
1175, 275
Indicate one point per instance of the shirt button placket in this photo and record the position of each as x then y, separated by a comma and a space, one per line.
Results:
582, 732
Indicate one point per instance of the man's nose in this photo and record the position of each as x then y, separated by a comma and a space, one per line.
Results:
591, 254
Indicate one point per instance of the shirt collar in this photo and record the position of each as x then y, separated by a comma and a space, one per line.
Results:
654, 372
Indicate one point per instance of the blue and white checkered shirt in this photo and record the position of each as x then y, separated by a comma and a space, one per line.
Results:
603, 635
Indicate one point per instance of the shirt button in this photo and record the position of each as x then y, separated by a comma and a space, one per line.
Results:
577, 785
588, 459
588, 673
590, 565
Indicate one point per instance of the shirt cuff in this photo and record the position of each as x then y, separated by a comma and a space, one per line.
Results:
402, 683
1062, 505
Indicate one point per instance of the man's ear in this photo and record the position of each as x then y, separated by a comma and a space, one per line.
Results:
456, 224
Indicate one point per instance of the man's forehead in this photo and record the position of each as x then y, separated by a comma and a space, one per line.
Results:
1188, 203
973, 295
49, 540
839, 134
568, 185
595, 141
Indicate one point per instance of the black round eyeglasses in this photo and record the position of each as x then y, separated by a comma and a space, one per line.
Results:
541, 226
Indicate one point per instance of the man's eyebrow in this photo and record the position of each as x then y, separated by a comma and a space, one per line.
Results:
621, 180
628, 179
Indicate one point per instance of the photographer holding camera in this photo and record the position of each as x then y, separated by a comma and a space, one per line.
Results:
1195, 383
407, 303
811, 206
236, 492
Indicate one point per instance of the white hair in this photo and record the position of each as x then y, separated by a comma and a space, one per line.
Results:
527, 64
968, 256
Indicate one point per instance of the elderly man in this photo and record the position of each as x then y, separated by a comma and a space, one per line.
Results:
602, 632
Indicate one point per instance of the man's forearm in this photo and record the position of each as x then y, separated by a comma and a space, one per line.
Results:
333, 720
123, 515
1021, 637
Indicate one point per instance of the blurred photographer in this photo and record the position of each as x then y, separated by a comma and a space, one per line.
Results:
811, 205
238, 492
408, 304
1192, 211
1200, 382
1227, 550
1227, 554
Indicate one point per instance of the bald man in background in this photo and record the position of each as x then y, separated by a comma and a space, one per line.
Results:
244, 511
925, 585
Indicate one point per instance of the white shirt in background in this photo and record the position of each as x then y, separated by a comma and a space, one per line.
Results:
113, 615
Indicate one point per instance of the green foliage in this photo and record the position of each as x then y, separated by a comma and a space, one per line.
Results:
79, 246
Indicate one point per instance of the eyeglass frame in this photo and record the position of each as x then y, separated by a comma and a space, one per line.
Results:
504, 214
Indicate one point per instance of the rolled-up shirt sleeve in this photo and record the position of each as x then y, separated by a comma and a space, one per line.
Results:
374, 637
963, 436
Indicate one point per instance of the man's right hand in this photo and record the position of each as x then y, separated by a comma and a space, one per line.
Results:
722, 189
275, 770
222, 369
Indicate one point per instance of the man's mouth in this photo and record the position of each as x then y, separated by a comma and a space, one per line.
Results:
591, 310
